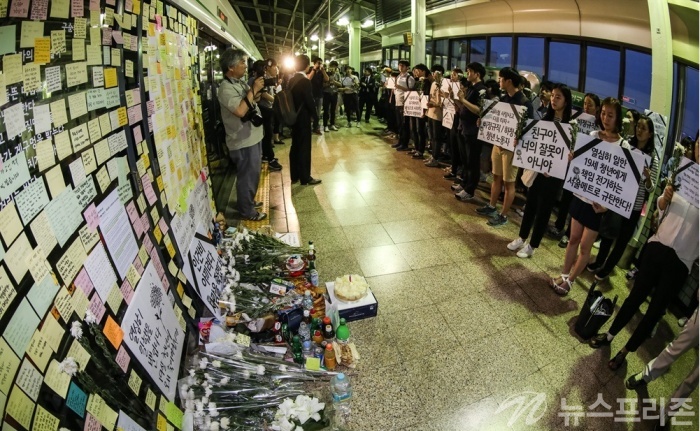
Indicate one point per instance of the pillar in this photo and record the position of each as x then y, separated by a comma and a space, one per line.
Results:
321, 43
418, 31
355, 33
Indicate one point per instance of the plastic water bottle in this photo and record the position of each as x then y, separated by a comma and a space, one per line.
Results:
342, 394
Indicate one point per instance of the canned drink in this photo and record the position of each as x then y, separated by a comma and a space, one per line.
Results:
313, 277
318, 352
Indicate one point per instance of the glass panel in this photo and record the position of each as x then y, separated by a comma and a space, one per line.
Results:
442, 52
501, 54
602, 72
531, 55
429, 54
689, 127
460, 53
637, 80
477, 51
564, 61
673, 123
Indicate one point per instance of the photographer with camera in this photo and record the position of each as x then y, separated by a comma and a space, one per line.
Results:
267, 69
319, 78
242, 123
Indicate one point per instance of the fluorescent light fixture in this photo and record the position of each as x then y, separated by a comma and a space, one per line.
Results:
314, 47
289, 62
329, 36
368, 22
314, 37
343, 21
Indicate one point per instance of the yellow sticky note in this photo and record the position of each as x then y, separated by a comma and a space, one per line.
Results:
151, 399
169, 246
134, 382
243, 340
114, 300
63, 304
20, 407
157, 234
39, 350
132, 275
122, 116
42, 50
97, 407
78, 352
9, 363
56, 379
162, 424
53, 332
44, 421
110, 76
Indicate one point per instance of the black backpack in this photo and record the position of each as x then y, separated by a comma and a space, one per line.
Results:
284, 108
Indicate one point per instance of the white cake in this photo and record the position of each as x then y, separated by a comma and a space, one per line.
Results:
351, 287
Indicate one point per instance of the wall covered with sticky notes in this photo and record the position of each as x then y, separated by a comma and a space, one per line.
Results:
102, 185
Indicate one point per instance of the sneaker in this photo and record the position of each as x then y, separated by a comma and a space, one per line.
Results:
497, 220
333, 128
515, 244
358, 124
631, 273
596, 244
635, 382
396, 145
456, 187
417, 155
519, 212
593, 267
554, 232
279, 142
432, 163
464, 196
400, 148
326, 129
564, 241
486, 210
526, 252
602, 275
274, 166
599, 341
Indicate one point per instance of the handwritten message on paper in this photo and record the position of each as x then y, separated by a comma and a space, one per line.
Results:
152, 333
206, 268
7, 292
127, 424
21, 328
115, 227
687, 176
606, 173
64, 214
499, 123
412, 105
448, 113
544, 148
586, 122
31, 200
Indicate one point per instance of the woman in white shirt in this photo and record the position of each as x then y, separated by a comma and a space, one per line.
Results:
586, 215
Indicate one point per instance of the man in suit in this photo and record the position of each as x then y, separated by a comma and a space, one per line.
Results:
368, 94
300, 152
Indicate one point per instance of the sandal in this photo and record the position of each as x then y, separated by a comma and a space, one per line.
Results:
562, 288
258, 216
600, 340
617, 361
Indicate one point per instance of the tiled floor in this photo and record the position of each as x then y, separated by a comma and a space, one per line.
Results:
466, 331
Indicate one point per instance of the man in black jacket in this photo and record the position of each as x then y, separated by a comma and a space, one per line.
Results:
300, 151
368, 94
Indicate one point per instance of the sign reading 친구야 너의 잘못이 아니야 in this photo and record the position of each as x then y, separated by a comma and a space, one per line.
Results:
687, 179
544, 148
499, 123
606, 173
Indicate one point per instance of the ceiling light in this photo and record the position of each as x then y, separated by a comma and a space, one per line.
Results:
289, 63
314, 37
314, 47
343, 21
368, 22
329, 36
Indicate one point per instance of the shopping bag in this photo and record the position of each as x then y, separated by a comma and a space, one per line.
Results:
596, 310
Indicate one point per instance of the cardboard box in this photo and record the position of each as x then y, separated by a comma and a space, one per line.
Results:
356, 310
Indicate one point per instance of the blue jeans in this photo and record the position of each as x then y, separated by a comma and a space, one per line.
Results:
247, 162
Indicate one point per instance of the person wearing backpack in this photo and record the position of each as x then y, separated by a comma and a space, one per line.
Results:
244, 134
300, 152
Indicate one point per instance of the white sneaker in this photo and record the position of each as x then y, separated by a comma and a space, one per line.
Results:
464, 196
456, 188
333, 128
326, 129
526, 252
516, 244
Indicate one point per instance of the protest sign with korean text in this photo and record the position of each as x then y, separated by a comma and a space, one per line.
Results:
687, 179
499, 123
206, 266
544, 148
606, 173
390, 83
412, 105
660, 126
448, 113
586, 122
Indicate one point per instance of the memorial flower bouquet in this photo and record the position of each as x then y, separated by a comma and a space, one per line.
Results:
522, 123
674, 163
574, 133
482, 103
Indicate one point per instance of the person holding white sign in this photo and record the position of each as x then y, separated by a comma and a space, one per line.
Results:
423, 82
453, 134
586, 215
606, 259
501, 159
434, 114
404, 83
543, 191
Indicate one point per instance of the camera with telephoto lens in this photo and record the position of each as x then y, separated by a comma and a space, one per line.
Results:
252, 115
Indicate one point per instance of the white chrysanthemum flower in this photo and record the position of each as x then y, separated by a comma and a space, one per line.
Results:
203, 363
224, 381
260, 370
214, 426
90, 317
208, 392
199, 405
189, 405
225, 422
283, 368
246, 374
213, 412
76, 330
205, 400
216, 363
68, 366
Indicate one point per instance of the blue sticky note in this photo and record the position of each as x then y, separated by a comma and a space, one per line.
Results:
76, 399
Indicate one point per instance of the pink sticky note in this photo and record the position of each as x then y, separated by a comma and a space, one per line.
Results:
157, 264
19, 8
138, 266
159, 23
163, 225
148, 189
77, 9
166, 283
138, 137
128, 5
94, 5
131, 211
106, 36
91, 217
117, 36
146, 224
134, 114
83, 282
123, 359
97, 307
39, 9
138, 228
147, 243
151, 107
91, 424
111, 2
127, 291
